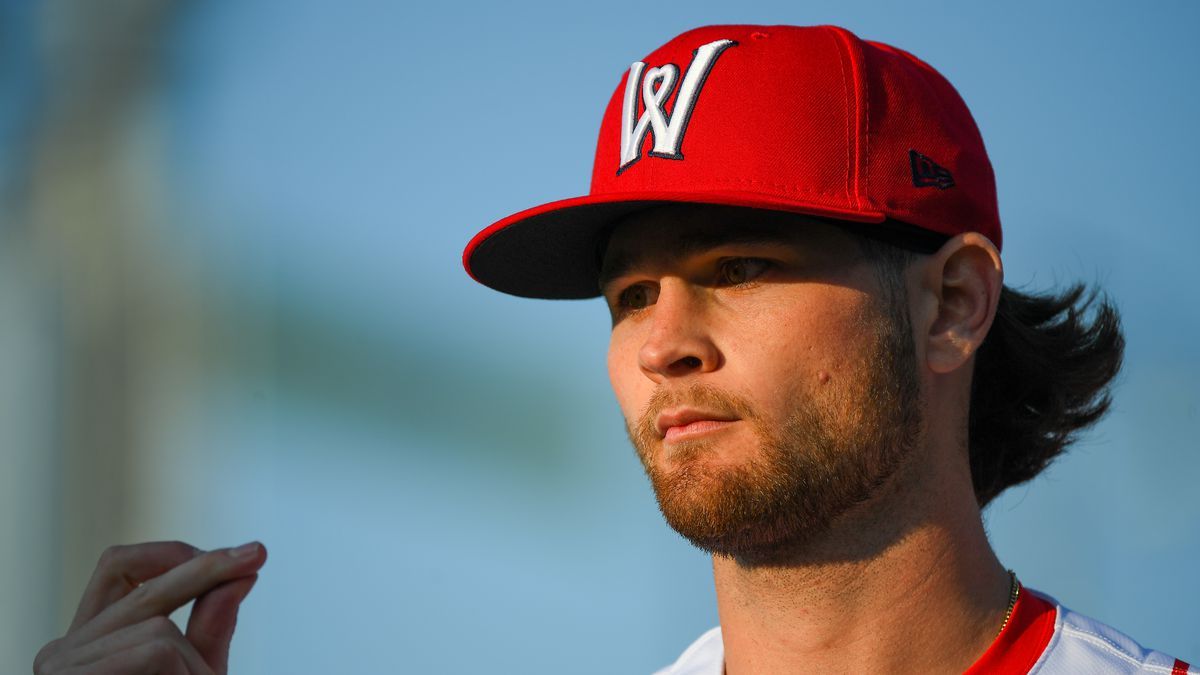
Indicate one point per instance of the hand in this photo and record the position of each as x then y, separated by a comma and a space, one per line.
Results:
122, 626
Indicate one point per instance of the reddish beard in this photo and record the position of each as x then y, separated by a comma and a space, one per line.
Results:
838, 445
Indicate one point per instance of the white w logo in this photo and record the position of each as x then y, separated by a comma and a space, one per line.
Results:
655, 89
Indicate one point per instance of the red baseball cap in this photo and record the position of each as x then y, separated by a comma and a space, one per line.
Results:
809, 120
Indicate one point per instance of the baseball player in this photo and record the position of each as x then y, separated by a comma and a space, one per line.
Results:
797, 236
796, 233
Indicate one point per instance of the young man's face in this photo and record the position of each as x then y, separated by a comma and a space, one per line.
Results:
766, 381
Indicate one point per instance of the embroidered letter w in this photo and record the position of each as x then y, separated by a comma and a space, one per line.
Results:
655, 89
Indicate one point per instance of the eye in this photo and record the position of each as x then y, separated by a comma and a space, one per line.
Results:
637, 296
737, 271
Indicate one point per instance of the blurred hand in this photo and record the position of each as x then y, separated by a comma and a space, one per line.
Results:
122, 626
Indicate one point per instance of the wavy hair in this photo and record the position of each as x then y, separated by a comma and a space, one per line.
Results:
1042, 375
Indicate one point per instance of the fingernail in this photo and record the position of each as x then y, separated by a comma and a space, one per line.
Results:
244, 550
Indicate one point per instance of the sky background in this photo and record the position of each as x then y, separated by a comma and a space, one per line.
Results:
439, 471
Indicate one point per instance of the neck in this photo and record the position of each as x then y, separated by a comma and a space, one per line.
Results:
908, 584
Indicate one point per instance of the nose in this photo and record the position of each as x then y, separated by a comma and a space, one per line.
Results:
679, 341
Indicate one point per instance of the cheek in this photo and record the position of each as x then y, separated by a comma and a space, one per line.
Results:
801, 345
625, 376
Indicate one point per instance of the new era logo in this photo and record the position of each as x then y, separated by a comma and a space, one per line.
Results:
926, 172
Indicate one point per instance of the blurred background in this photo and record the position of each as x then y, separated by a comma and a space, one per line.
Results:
232, 308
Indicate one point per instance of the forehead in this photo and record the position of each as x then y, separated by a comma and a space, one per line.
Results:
675, 231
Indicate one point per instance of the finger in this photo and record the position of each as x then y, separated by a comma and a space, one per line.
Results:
155, 629
172, 589
149, 658
122, 568
214, 618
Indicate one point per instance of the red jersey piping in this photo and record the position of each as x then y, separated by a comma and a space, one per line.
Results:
1022, 641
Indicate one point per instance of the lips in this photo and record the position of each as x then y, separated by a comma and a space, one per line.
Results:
679, 423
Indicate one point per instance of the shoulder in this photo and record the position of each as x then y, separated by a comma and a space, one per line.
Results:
705, 656
1083, 644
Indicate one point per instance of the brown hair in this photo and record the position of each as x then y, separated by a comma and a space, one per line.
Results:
1042, 375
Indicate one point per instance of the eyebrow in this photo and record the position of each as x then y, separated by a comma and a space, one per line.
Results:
691, 244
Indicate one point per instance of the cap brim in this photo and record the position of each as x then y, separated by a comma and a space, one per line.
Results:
553, 251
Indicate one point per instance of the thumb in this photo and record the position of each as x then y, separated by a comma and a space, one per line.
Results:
214, 616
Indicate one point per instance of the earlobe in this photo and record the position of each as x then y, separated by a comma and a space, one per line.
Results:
966, 275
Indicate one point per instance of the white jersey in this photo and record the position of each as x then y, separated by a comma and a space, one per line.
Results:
1041, 637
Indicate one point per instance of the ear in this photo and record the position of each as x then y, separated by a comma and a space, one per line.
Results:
961, 284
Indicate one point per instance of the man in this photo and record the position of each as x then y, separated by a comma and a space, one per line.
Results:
796, 233
797, 237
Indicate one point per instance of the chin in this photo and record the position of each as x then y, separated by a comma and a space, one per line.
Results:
721, 451
777, 538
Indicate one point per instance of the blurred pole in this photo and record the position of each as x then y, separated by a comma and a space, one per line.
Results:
84, 219
27, 551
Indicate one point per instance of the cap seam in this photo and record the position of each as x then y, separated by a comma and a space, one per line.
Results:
698, 187
861, 120
865, 175
851, 142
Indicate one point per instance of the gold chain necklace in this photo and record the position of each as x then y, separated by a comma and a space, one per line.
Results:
1014, 589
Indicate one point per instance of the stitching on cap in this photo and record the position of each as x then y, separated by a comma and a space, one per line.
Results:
866, 139
787, 187
849, 122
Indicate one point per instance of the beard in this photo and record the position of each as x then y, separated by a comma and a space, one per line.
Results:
837, 447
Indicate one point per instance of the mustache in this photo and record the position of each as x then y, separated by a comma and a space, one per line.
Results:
704, 396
